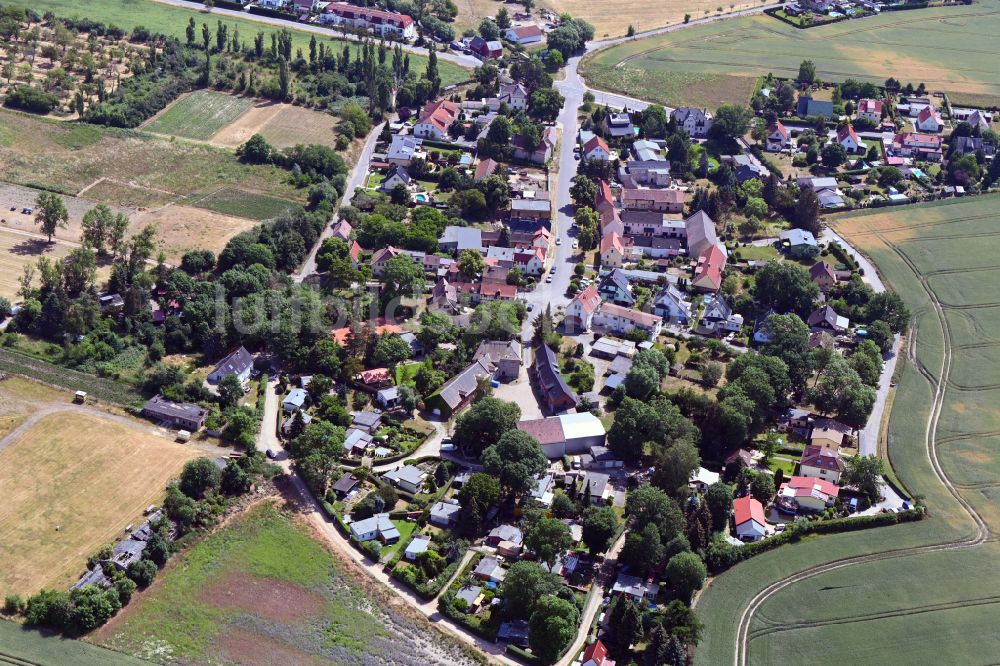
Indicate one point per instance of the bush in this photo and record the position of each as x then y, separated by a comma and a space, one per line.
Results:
12, 604
29, 98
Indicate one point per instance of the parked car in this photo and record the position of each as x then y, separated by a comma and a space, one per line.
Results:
448, 448
559, 241
548, 278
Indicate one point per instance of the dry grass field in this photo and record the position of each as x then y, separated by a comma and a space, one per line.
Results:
17, 250
72, 482
283, 125
198, 115
612, 18
183, 228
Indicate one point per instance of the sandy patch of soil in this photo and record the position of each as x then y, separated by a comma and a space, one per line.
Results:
250, 649
237, 132
276, 600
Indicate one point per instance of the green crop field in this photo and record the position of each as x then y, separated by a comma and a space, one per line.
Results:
19, 645
173, 21
232, 201
912, 603
948, 48
262, 590
199, 114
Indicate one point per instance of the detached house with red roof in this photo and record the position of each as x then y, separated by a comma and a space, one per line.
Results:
596, 148
821, 462
524, 34
778, 138
748, 518
848, 138
871, 110
612, 251
435, 120
613, 318
917, 145
808, 493
708, 271
381, 257
580, 311
596, 654
929, 120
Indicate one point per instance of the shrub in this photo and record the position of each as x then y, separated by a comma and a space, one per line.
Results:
29, 98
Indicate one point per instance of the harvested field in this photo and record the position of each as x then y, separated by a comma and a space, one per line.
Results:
198, 115
262, 590
183, 228
283, 125
91, 475
19, 250
919, 605
947, 48
612, 19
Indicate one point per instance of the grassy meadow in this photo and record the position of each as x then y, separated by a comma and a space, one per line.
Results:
923, 607
173, 21
199, 115
263, 590
948, 48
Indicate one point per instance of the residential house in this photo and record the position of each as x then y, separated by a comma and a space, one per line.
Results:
580, 311
595, 487
484, 169
639, 589
274, 4
472, 596
650, 172
827, 191
408, 478
377, 527
417, 546
573, 433
531, 262
979, 118
917, 145
611, 223
826, 318
356, 442
601, 457
799, 243
435, 120
458, 391
368, 421
445, 513
700, 231
808, 493
505, 355
849, 139
970, 145
929, 120
523, 35
556, 393
515, 632
238, 363
809, 107
388, 398
500, 533
541, 153
619, 125
671, 306
535, 211
342, 229
708, 271
596, 654
490, 570
345, 485
778, 137
719, 318
514, 96
455, 239
381, 257
485, 49
821, 462
747, 167
823, 276
647, 151
702, 478
543, 492
404, 149
616, 288
748, 517
596, 149
374, 378
295, 400
664, 201
648, 223
612, 251
605, 200
444, 296
380, 22
829, 433
696, 122
397, 175
621, 320
871, 110
182, 415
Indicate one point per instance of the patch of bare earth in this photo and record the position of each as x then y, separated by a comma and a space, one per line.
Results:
268, 598
250, 649
183, 228
237, 132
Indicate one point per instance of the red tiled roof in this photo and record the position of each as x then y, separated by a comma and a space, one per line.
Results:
820, 269
546, 431
594, 142
596, 652
589, 299
847, 131
822, 457
873, 106
637, 316
441, 114
776, 126
372, 15
610, 241
340, 335
710, 266
530, 30
604, 194
805, 485
928, 112
485, 168
747, 508
356, 251
374, 376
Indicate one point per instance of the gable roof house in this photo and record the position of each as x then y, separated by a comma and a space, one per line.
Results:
970, 145
696, 122
748, 518
808, 493
612, 251
596, 149
645, 171
826, 318
929, 120
664, 201
408, 478
514, 95
484, 169
621, 320
489, 569
445, 513
809, 107
871, 110
616, 288
823, 276
435, 120
605, 199
635, 587
342, 230
708, 270
821, 462
524, 34
505, 355
700, 231
485, 49
458, 391
671, 306
849, 139
580, 311
542, 152
596, 654
719, 318
747, 167
381, 257
403, 149
778, 137
647, 151
377, 527
379, 21
238, 363
556, 393
397, 175
830, 433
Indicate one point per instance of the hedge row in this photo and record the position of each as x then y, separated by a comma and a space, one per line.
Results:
722, 555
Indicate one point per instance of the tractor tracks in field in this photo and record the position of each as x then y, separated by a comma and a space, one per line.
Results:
982, 532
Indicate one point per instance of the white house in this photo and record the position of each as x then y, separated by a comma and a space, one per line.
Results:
514, 96
821, 462
871, 110
238, 363
378, 21
435, 120
445, 514
295, 400
848, 138
596, 149
696, 122
397, 176
617, 319
702, 478
671, 306
748, 516
524, 34
778, 137
408, 478
580, 311
377, 527
416, 546
929, 120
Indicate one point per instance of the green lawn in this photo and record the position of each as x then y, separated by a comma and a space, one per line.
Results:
405, 372
405, 528
945, 48
200, 114
912, 609
759, 253
173, 21
251, 205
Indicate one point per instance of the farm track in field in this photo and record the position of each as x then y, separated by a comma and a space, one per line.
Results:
983, 533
